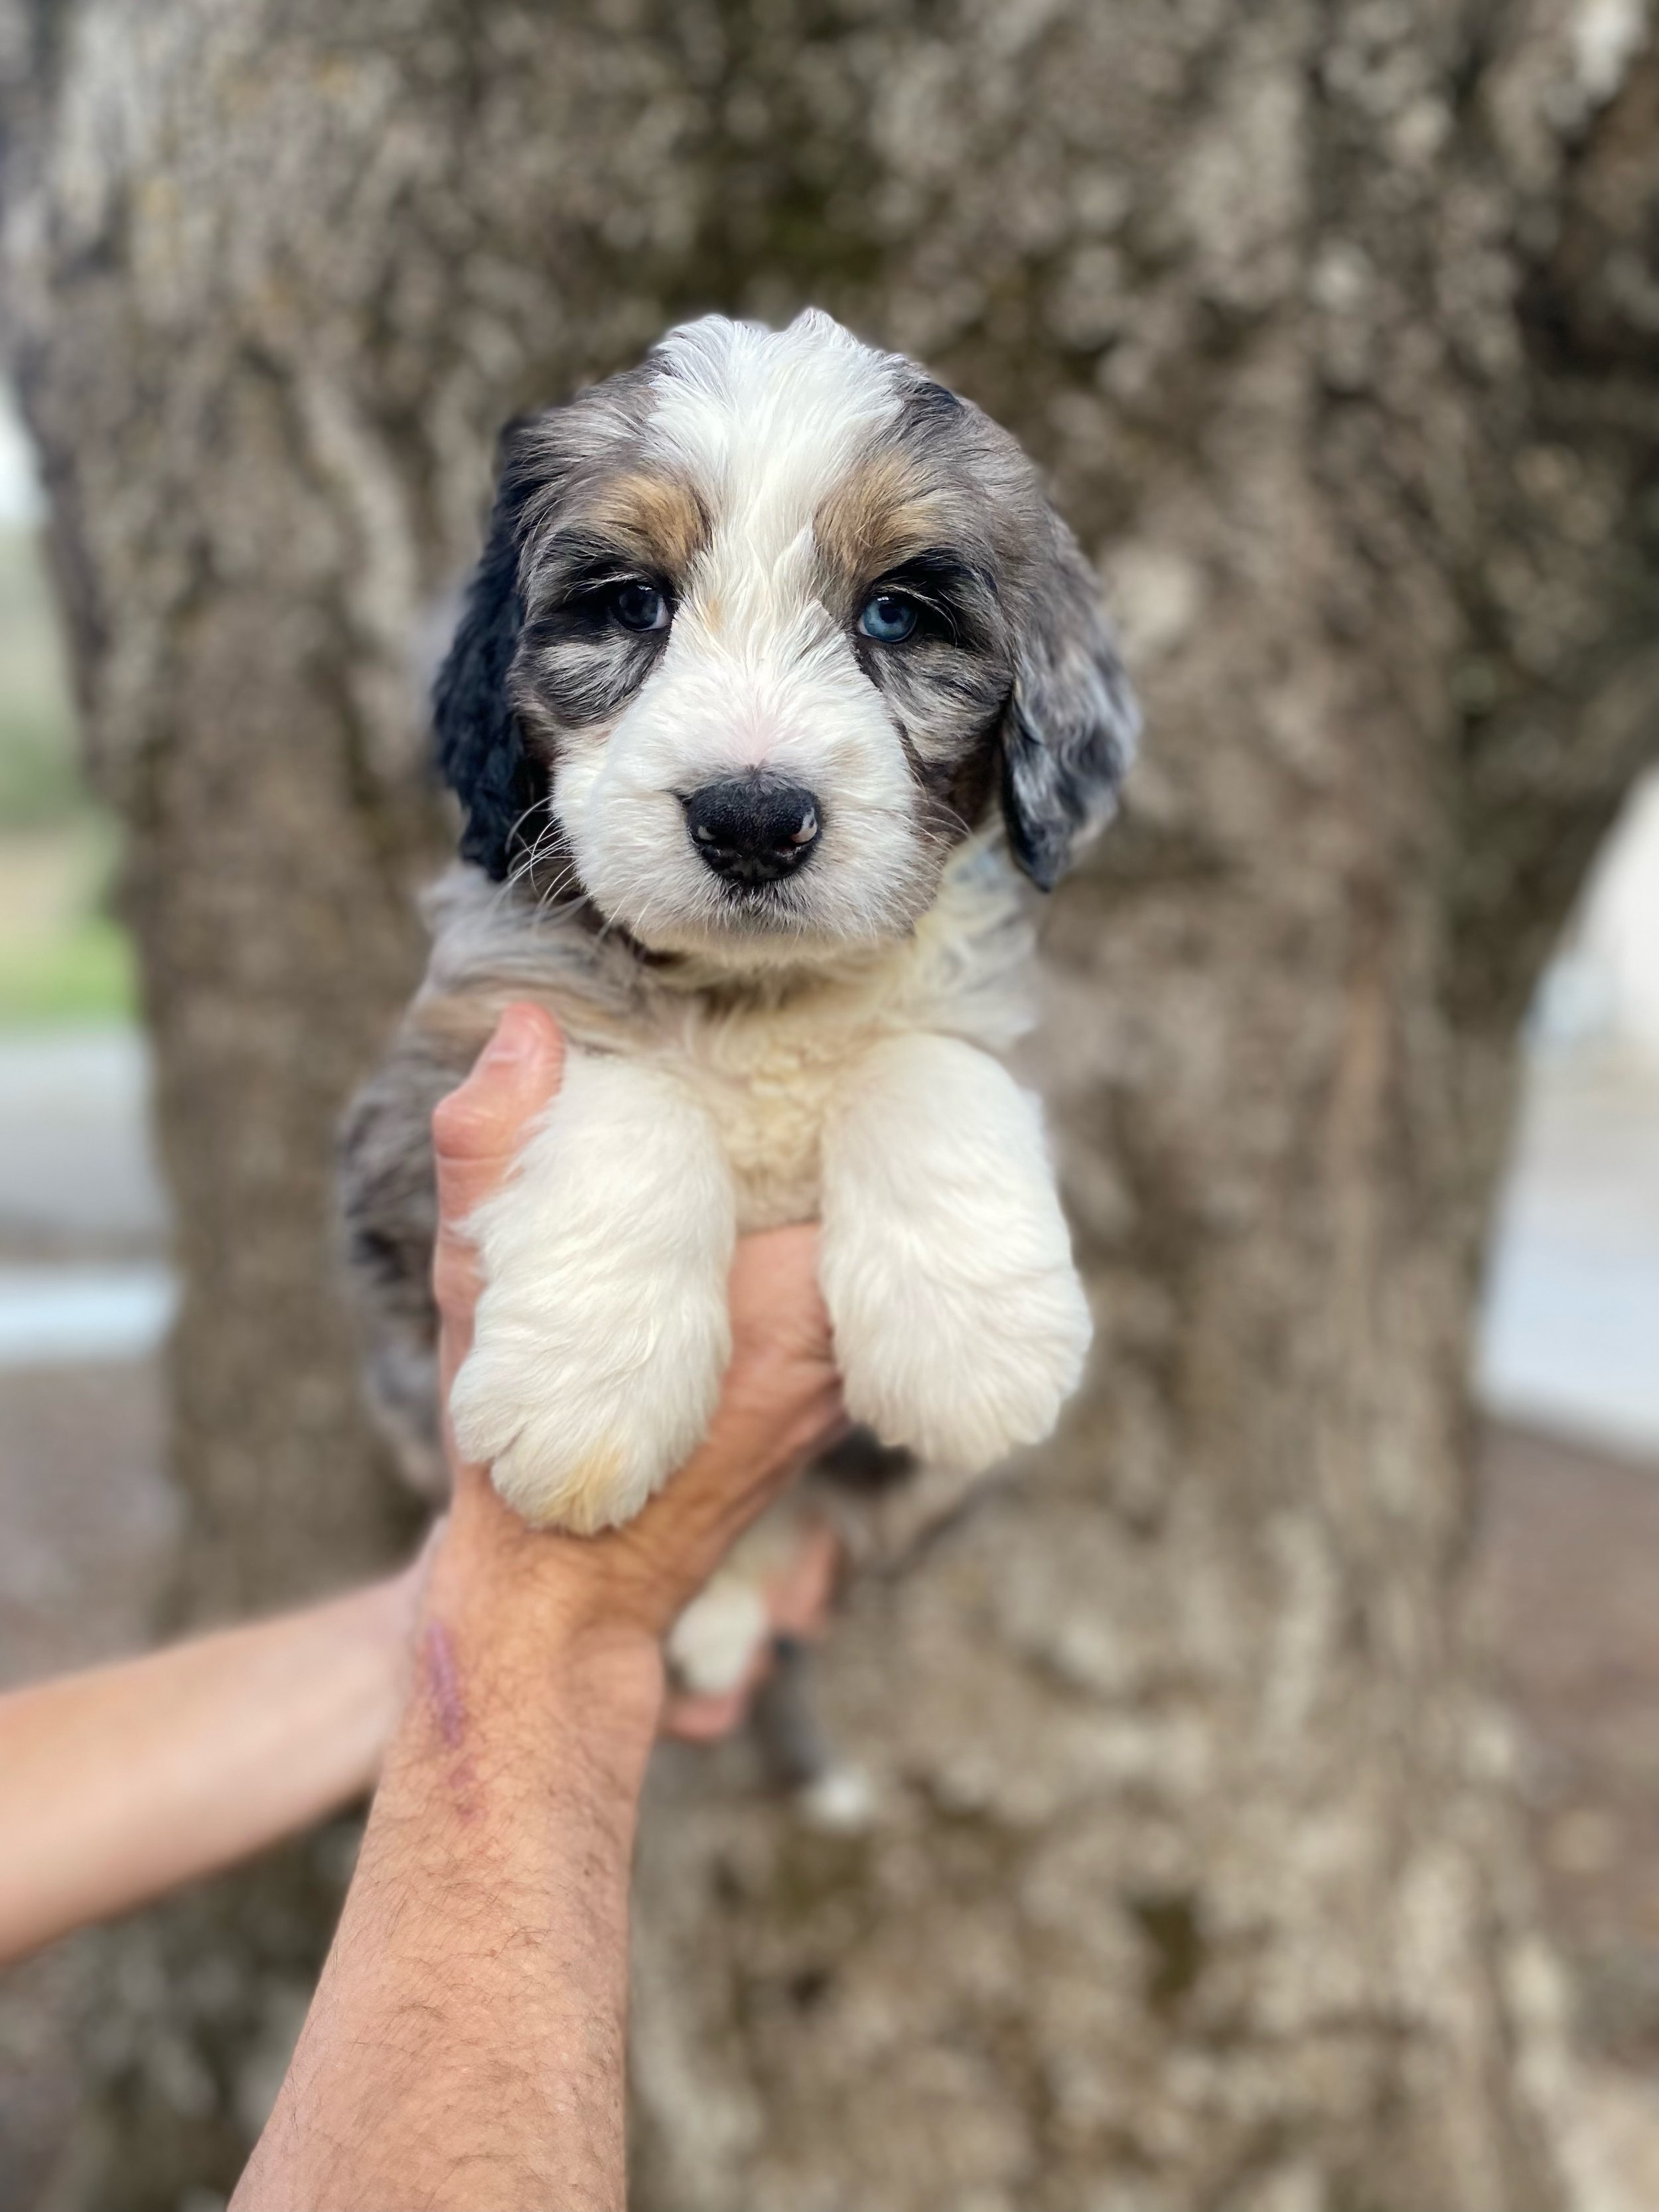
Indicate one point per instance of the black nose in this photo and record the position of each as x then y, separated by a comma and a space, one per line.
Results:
753, 829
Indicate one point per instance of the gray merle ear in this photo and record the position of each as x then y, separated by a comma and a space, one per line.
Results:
1070, 730
481, 750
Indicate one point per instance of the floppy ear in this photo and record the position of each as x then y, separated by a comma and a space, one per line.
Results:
1070, 730
480, 751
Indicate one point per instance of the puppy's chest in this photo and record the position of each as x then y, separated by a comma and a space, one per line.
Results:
769, 1089
771, 1074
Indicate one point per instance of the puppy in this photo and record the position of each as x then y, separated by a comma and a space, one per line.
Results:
777, 674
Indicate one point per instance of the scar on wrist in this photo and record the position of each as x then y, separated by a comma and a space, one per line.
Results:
443, 1685
440, 1679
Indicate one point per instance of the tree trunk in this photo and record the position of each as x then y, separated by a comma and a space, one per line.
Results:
1192, 1880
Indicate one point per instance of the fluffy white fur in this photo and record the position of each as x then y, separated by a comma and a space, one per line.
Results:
715, 1639
865, 1092
838, 1062
757, 674
602, 1329
961, 1328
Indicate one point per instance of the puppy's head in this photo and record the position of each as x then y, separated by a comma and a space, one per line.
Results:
762, 629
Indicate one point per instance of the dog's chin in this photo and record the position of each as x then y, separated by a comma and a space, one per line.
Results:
769, 926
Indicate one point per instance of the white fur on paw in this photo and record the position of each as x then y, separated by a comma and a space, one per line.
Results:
602, 1331
713, 1641
964, 1377
840, 1802
961, 1326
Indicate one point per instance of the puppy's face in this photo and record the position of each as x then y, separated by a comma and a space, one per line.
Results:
764, 628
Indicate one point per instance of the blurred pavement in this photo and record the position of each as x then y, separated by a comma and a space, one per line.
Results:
1571, 1336
76, 1166
83, 1217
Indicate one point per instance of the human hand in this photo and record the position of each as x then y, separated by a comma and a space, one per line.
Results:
625, 1588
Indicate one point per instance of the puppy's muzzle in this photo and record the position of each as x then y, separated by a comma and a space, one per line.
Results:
753, 829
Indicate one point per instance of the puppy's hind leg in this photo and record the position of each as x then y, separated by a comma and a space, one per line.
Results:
602, 1329
766, 1597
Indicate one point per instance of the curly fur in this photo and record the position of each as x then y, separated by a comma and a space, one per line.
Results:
821, 1044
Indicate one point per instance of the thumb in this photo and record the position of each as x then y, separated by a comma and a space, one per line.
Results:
478, 1129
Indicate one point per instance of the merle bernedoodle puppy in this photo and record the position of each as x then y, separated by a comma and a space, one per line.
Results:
778, 675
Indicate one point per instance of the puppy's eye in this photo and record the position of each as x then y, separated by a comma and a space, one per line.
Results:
888, 618
640, 606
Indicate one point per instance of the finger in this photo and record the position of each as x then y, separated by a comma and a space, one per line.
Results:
779, 1395
798, 1595
706, 1719
477, 1129
705, 1715
777, 1308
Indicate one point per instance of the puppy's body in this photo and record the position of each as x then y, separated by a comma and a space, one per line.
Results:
766, 1059
764, 633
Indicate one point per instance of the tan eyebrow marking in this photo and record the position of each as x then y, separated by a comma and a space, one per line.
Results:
660, 518
885, 510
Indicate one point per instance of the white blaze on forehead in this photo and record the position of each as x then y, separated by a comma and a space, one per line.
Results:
756, 673
766, 424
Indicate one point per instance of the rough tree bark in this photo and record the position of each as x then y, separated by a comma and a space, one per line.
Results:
1193, 1881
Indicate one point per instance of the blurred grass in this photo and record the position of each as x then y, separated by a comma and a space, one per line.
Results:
63, 956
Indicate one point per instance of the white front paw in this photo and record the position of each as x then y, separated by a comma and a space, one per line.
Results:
962, 1373
573, 1437
602, 1331
961, 1327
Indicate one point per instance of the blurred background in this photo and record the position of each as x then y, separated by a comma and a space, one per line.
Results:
1567, 1374
330, 301
1568, 1371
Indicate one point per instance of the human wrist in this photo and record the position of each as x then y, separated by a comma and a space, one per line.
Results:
383, 1614
524, 1609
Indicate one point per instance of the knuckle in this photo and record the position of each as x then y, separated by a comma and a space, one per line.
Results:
459, 1129
455, 1276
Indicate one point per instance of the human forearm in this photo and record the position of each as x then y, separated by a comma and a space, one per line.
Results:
466, 2043
120, 1782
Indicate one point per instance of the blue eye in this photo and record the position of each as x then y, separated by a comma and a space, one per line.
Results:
640, 606
888, 618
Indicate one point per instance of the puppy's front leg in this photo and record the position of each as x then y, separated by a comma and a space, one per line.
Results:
961, 1327
602, 1330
